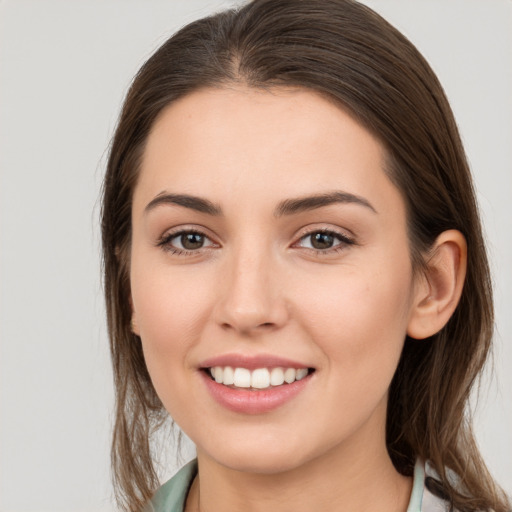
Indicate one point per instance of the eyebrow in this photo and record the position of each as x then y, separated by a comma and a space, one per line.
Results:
187, 201
301, 204
287, 207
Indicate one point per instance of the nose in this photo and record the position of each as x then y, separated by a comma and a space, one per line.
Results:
251, 298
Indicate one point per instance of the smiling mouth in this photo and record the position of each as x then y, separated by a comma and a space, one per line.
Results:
258, 379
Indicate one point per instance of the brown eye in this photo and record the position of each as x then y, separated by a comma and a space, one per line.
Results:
185, 241
322, 240
191, 241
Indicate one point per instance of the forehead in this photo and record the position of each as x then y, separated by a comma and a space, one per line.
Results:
224, 142
281, 116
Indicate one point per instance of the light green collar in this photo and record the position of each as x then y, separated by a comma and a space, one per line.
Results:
171, 497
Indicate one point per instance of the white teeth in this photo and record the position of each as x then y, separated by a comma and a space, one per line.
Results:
277, 377
242, 378
289, 375
261, 378
229, 375
301, 373
218, 374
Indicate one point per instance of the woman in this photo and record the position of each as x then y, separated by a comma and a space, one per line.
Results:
294, 270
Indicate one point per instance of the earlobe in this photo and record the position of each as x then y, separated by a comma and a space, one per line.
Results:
133, 325
133, 321
440, 288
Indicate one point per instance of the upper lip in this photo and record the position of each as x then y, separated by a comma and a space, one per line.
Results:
251, 362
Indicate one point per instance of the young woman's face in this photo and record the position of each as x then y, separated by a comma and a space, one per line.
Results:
268, 240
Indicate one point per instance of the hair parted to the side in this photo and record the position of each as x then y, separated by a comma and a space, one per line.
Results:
347, 52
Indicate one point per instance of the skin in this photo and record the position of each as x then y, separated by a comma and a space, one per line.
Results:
257, 286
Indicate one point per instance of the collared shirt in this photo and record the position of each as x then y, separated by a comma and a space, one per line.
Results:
171, 497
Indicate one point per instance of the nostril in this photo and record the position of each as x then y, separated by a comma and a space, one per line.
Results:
265, 325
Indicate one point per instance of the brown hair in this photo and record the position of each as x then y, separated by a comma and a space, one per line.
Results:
347, 52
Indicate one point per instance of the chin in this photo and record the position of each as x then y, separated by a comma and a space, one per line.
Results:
259, 463
265, 456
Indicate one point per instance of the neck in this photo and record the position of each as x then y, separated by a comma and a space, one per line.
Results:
347, 478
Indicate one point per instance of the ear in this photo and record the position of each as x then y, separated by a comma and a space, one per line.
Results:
133, 322
439, 288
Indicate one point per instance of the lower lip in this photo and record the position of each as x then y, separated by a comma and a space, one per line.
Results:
254, 401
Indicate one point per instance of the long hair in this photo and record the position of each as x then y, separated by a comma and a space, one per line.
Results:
351, 55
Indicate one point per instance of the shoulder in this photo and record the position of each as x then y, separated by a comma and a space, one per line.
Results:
424, 497
432, 501
433, 496
171, 496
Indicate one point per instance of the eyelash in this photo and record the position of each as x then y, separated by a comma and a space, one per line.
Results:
165, 242
344, 241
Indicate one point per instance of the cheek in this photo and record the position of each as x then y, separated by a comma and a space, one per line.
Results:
170, 310
358, 318
168, 300
360, 326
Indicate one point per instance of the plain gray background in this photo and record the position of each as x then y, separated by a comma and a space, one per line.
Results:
64, 68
